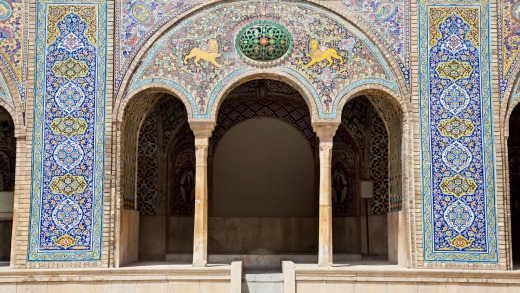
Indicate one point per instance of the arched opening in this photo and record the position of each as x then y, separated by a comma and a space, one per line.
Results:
7, 173
263, 174
367, 152
157, 180
513, 146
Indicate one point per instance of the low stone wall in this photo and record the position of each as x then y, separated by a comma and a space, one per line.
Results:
156, 279
389, 278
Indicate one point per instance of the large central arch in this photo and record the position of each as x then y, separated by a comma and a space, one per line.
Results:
196, 61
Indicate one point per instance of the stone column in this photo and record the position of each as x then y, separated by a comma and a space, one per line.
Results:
325, 132
202, 132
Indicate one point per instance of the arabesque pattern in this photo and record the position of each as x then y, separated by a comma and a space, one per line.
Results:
68, 170
459, 212
14, 41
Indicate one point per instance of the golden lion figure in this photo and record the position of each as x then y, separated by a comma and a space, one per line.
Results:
210, 55
317, 55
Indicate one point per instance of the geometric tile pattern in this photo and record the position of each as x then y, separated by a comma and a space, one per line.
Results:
390, 22
68, 170
14, 25
182, 173
135, 113
391, 113
458, 188
235, 110
369, 131
345, 175
173, 113
379, 164
147, 167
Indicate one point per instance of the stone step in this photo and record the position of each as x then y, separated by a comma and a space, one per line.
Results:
262, 281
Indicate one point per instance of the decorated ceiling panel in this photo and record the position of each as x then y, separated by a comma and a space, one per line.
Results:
14, 19
201, 54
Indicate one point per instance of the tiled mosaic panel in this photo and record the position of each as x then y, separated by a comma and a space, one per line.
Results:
182, 173
345, 174
138, 20
68, 149
14, 19
390, 21
458, 188
199, 71
147, 167
4, 92
509, 47
7, 151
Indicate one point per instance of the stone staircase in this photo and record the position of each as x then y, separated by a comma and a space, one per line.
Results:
262, 281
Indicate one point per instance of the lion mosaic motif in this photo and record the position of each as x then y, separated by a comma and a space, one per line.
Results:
210, 55
318, 55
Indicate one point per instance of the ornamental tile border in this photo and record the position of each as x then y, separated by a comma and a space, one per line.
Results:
68, 168
467, 232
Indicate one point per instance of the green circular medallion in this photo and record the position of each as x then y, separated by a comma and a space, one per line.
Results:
264, 41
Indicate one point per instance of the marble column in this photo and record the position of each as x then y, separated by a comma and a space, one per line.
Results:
202, 132
325, 132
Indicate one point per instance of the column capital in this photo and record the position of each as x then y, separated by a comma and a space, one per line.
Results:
202, 129
325, 130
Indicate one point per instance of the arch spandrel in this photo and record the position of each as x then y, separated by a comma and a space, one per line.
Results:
199, 54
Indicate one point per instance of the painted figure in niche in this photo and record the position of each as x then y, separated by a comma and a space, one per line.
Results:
318, 54
187, 186
339, 186
209, 56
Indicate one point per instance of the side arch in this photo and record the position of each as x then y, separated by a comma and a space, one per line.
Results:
372, 89
154, 88
396, 116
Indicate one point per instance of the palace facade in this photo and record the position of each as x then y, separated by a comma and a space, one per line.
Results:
259, 146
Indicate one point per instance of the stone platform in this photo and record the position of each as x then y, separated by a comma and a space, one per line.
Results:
357, 276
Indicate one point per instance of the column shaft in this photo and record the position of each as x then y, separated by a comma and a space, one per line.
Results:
325, 225
200, 241
325, 132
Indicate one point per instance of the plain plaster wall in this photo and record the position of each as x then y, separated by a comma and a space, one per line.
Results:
263, 167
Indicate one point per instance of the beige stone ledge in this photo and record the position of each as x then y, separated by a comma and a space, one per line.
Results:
135, 273
394, 273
